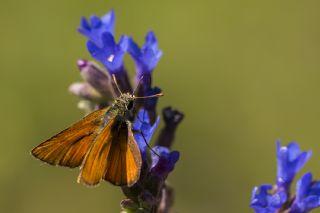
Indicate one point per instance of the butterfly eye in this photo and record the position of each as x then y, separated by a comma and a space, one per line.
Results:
130, 105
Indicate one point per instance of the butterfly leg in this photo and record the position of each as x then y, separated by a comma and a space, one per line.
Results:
145, 141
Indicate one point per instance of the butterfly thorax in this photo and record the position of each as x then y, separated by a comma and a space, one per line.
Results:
122, 106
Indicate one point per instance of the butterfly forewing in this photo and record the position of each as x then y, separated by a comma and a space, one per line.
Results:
105, 149
95, 162
69, 147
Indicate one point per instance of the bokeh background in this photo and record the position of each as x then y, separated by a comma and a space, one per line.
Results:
244, 72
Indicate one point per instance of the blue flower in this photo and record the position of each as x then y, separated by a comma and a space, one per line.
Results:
97, 26
147, 57
307, 195
290, 160
110, 54
150, 193
143, 131
164, 161
264, 202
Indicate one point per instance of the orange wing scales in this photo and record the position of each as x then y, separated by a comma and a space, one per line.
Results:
107, 152
116, 170
95, 162
114, 156
125, 159
134, 162
69, 147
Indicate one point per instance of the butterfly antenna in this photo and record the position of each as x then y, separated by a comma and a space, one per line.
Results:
135, 89
116, 83
150, 96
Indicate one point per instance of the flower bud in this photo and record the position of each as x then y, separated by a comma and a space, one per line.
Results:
171, 118
129, 204
98, 78
85, 91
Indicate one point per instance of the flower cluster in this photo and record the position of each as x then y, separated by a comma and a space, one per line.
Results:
278, 198
151, 192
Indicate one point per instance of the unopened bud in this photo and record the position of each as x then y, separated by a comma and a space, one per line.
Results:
171, 118
84, 91
98, 78
129, 204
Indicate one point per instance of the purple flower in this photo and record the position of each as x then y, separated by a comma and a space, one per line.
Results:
97, 26
143, 130
164, 161
290, 160
264, 202
110, 54
307, 195
146, 58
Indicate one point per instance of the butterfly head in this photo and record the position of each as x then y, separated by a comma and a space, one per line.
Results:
124, 103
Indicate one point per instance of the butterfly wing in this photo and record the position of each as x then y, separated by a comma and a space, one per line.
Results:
114, 156
125, 159
95, 162
69, 147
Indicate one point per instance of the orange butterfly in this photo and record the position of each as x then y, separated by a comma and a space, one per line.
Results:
102, 144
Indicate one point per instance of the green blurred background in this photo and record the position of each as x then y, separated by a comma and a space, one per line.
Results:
244, 72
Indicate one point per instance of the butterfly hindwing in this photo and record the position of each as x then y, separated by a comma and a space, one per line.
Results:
125, 157
69, 147
133, 159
